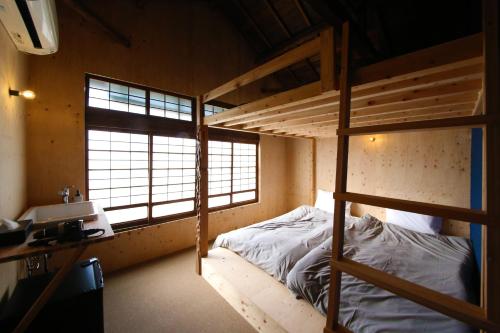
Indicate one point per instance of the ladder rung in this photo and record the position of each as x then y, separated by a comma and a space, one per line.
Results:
450, 212
468, 121
453, 307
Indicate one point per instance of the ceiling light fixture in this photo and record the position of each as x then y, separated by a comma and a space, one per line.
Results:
372, 139
28, 94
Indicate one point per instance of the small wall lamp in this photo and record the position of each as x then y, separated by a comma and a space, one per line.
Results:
28, 94
372, 139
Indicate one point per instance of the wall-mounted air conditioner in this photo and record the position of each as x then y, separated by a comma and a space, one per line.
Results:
31, 24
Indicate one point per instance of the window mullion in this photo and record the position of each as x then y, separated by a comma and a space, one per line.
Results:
150, 173
232, 158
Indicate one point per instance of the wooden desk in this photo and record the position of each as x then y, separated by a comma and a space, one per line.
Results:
16, 252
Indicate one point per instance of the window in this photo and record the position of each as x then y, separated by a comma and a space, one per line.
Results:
168, 106
141, 155
213, 109
117, 97
174, 175
232, 173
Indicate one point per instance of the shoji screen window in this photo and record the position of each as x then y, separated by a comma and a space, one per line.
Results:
219, 173
116, 97
232, 173
244, 172
118, 176
174, 172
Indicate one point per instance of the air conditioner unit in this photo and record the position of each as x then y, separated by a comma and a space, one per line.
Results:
31, 24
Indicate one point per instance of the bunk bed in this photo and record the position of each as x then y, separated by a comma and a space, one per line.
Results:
450, 85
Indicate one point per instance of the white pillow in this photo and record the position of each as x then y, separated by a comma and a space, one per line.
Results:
417, 222
325, 201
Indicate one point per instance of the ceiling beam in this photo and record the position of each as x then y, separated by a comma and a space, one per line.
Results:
302, 11
286, 31
334, 13
306, 50
296, 40
89, 15
261, 33
434, 111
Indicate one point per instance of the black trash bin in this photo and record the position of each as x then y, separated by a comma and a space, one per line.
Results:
76, 306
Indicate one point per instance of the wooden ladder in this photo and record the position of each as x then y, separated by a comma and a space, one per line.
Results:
485, 317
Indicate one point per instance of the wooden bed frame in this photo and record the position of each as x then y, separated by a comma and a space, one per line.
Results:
455, 84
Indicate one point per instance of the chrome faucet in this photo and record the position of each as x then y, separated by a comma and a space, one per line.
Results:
64, 194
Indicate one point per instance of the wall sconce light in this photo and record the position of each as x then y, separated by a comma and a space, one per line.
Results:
28, 94
372, 139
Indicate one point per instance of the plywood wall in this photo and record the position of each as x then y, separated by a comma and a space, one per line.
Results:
429, 166
181, 46
299, 172
12, 145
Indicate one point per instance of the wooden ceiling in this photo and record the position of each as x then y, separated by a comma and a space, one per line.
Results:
381, 29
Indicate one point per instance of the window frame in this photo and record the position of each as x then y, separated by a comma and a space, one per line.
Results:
118, 121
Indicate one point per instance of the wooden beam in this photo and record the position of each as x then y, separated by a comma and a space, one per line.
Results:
332, 320
49, 290
335, 14
447, 100
434, 111
468, 121
327, 61
296, 40
297, 95
378, 120
313, 172
285, 29
89, 15
442, 90
201, 200
386, 103
302, 11
479, 105
320, 108
306, 50
270, 133
449, 212
283, 119
324, 117
491, 99
470, 70
447, 53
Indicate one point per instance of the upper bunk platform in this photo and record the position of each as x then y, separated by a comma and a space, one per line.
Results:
443, 81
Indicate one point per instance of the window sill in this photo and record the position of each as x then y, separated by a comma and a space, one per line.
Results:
142, 224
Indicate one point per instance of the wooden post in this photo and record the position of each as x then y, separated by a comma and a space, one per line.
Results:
313, 171
491, 100
340, 183
328, 64
201, 185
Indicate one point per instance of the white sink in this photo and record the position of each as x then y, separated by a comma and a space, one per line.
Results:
42, 216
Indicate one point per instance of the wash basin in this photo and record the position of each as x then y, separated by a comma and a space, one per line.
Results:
52, 214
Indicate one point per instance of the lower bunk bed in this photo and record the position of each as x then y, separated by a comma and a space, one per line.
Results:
276, 273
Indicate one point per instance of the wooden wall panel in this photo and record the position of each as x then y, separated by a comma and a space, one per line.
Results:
424, 166
180, 46
299, 167
12, 146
